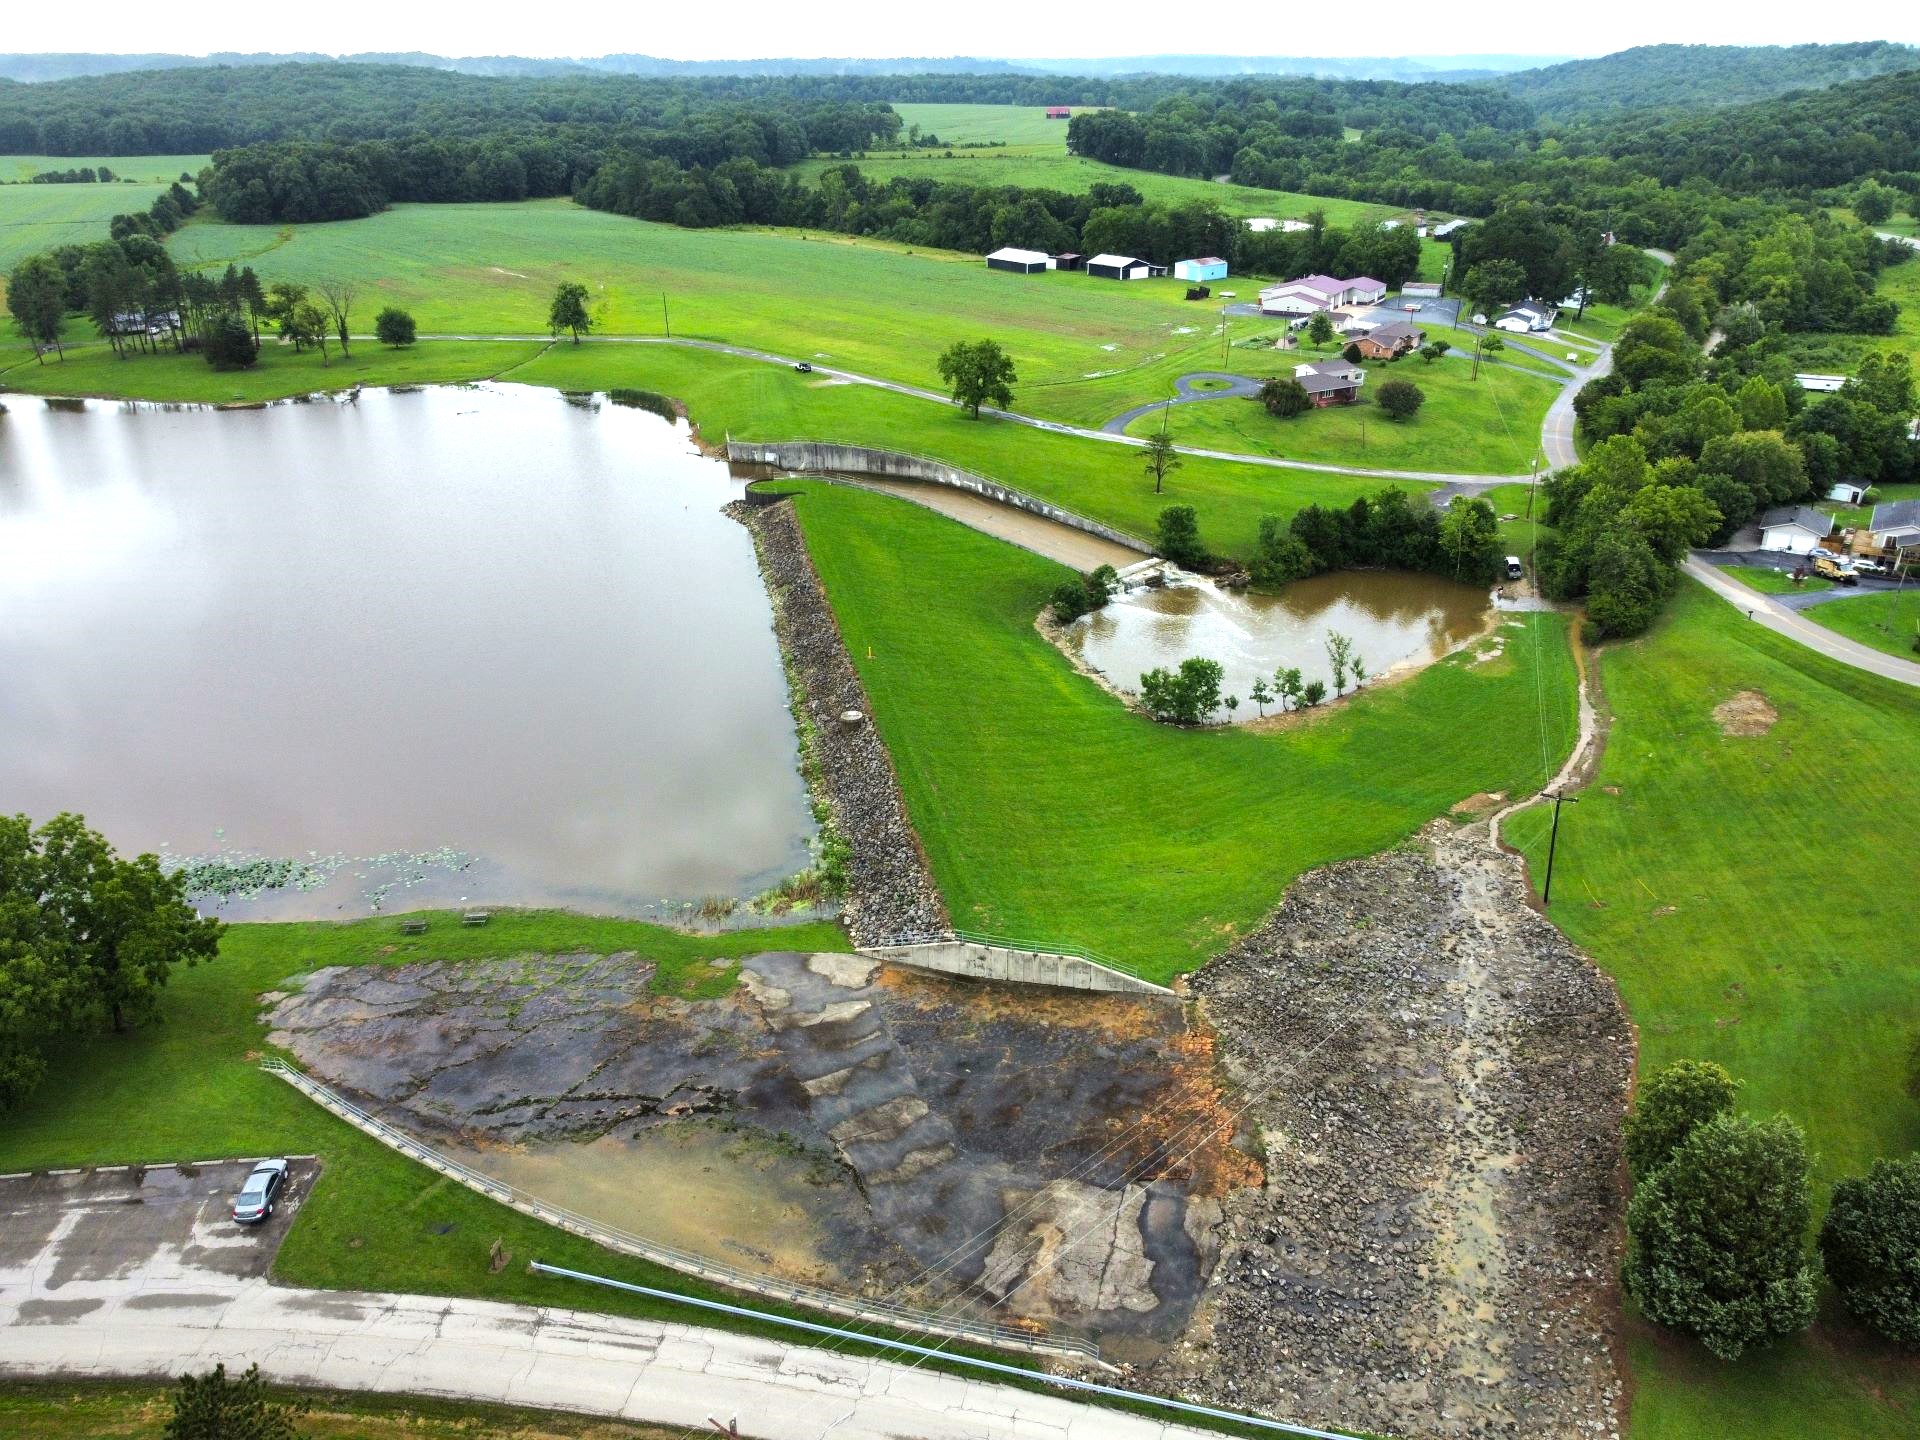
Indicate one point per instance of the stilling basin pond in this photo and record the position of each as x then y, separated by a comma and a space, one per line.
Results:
1397, 621
488, 644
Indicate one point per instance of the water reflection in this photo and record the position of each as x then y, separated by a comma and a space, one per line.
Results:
1395, 619
465, 644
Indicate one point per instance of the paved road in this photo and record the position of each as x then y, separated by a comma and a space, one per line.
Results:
1782, 620
1903, 239
1556, 433
143, 1276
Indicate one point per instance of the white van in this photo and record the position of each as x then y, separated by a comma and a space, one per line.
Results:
1515, 570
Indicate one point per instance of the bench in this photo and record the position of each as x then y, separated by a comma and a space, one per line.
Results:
413, 927
475, 917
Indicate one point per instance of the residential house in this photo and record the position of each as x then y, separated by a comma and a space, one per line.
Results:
1021, 262
1894, 531
1794, 529
1198, 272
1122, 267
1390, 342
1528, 316
1330, 382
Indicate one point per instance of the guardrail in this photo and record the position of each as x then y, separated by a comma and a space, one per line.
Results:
873, 1312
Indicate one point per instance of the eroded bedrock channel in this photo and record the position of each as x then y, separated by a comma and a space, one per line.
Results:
1058, 1155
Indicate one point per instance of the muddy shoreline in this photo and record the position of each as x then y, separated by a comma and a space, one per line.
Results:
891, 897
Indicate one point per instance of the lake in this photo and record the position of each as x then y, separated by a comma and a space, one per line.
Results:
483, 644
1396, 619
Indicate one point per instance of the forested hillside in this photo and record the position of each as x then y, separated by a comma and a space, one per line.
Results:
1698, 77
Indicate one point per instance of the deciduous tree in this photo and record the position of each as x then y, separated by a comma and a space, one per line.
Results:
1871, 1244
1177, 537
568, 312
393, 327
1161, 458
37, 300
1284, 396
1400, 399
980, 373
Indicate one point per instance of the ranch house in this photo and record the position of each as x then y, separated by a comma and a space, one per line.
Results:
1526, 317
1320, 292
1391, 341
1330, 382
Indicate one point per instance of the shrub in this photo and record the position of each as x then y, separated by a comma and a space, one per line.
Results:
1177, 536
212, 1407
1671, 1105
1187, 696
1285, 397
393, 327
1351, 353
1400, 398
1871, 1243
1716, 1238
1069, 601
1313, 692
1279, 556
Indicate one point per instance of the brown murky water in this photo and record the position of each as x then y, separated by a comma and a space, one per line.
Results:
481, 644
1395, 619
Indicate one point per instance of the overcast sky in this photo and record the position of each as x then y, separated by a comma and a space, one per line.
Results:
743, 29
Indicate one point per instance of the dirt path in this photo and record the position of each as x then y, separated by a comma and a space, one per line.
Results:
1438, 1077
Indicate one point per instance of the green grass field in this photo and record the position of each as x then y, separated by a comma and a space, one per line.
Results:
1741, 901
1486, 426
1769, 581
90, 1410
41, 217
1840, 353
163, 169
1522, 534
1888, 620
1054, 814
1051, 168
987, 124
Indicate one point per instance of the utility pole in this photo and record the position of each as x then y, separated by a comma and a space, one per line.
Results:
1533, 481
665, 319
1553, 844
1224, 343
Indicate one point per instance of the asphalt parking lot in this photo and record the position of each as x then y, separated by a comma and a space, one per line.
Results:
158, 1226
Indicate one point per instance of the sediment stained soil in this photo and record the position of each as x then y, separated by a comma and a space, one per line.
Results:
1437, 1078
829, 1121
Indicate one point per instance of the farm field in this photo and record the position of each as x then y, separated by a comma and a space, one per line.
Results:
1487, 426
1070, 819
1888, 620
1684, 831
41, 217
874, 307
146, 169
1521, 535
1051, 168
1024, 125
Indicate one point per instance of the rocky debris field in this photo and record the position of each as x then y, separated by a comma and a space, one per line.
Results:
949, 1141
1437, 1078
891, 895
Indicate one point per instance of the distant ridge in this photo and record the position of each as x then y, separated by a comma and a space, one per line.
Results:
34, 68
1700, 77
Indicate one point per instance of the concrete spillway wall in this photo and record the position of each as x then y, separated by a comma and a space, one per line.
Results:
975, 961
823, 456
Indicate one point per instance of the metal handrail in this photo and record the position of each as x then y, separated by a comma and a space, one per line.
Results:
1006, 1337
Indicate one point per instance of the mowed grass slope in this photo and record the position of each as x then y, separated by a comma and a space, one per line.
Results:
161, 169
1746, 895
1888, 620
870, 306
987, 124
1485, 426
1051, 813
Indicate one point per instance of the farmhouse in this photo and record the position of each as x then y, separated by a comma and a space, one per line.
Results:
1794, 529
1390, 342
1320, 292
1022, 262
1330, 382
1211, 267
1528, 315
1421, 290
1122, 267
